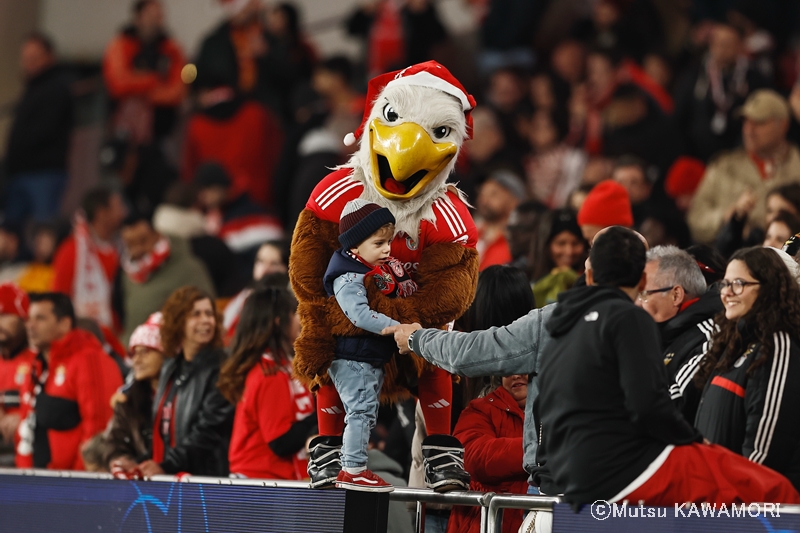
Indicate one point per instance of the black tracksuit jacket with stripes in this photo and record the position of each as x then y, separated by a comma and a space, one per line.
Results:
758, 415
685, 338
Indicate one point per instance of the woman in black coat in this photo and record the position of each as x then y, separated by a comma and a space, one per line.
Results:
192, 421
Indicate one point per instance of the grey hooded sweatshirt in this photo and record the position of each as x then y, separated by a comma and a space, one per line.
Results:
498, 351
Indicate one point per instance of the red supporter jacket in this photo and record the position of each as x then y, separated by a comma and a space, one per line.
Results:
269, 406
123, 80
453, 220
491, 430
247, 145
64, 265
80, 379
496, 253
14, 373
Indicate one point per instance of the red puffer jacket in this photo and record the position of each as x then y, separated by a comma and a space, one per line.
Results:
491, 430
73, 405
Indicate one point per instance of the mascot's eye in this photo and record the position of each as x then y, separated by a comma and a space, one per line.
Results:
390, 114
441, 132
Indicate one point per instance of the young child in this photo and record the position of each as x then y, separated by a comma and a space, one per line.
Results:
365, 233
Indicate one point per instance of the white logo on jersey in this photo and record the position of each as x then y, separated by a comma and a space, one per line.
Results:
592, 317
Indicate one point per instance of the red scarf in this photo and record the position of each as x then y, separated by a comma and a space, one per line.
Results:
140, 270
165, 416
392, 279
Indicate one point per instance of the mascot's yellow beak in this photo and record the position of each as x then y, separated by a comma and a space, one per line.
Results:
405, 159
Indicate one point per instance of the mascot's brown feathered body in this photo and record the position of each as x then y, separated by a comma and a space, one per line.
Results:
413, 130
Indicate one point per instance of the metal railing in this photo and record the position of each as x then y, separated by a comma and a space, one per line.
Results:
490, 503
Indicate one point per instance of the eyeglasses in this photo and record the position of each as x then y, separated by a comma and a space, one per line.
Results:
736, 286
644, 295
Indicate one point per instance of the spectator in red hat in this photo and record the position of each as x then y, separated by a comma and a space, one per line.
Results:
15, 357
129, 435
682, 180
606, 205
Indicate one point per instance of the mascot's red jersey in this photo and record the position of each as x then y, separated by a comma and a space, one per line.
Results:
453, 220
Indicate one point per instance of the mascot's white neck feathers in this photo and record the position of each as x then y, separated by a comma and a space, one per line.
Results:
430, 109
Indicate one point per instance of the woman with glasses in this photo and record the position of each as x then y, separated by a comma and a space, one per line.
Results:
752, 371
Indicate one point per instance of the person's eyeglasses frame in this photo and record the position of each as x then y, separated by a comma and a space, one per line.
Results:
644, 295
741, 283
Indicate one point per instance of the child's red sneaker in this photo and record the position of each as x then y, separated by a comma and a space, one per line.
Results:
364, 481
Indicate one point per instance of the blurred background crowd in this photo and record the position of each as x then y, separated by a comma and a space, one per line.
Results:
165, 163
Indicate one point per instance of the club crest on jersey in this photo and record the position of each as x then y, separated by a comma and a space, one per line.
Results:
60, 376
22, 372
739, 362
411, 243
668, 358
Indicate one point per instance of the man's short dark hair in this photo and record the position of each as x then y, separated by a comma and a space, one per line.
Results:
62, 305
339, 65
618, 257
139, 6
42, 40
95, 199
135, 216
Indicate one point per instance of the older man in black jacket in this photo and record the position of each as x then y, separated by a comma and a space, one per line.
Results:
678, 299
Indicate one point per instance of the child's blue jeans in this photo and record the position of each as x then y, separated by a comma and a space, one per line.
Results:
359, 386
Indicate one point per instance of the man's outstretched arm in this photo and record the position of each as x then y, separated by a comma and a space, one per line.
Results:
503, 351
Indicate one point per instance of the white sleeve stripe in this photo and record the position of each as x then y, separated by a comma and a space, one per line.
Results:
332, 199
333, 189
446, 217
460, 226
772, 402
685, 376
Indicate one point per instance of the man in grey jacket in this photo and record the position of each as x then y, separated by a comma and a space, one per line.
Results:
503, 351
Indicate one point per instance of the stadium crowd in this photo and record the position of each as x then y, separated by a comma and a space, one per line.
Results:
153, 332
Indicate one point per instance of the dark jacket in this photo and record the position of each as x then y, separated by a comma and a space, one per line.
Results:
40, 134
603, 400
685, 338
203, 417
757, 415
130, 432
218, 65
365, 348
695, 109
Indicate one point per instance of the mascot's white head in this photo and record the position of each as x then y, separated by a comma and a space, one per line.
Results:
411, 135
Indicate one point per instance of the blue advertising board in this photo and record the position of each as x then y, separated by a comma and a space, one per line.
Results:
34, 504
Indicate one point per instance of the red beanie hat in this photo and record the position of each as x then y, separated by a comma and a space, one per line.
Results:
684, 176
13, 301
428, 74
607, 204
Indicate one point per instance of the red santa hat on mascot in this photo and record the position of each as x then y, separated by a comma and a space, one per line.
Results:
428, 74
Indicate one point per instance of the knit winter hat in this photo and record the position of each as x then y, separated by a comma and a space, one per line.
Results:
148, 334
359, 220
607, 204
13, 301
428, 74
684, 176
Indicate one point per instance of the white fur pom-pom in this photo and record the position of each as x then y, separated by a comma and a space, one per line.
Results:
349, 139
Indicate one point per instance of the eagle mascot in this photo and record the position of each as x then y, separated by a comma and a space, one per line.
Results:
414, 126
